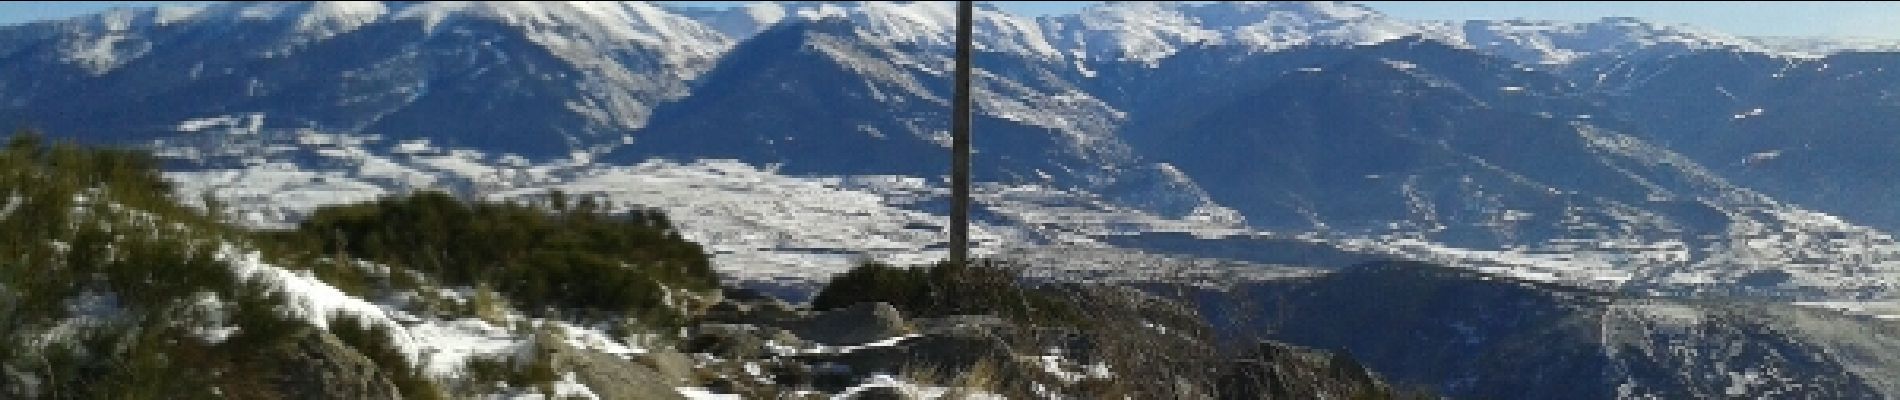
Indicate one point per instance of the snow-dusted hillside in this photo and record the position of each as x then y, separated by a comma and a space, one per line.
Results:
570, 75
763, 226
795, 137
1146, 32
757, 224
104, 272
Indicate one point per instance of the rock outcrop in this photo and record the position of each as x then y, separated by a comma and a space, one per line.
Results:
317, 365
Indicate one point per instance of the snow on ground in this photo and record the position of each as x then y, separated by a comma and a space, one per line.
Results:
1886, 310
593, 339
756, 223
913, 390
441, 346
834, 350
759, 223
568, 388
763, 226
1818, 256
276, 193
1107, 264
1076, 217
231, 124
700, 393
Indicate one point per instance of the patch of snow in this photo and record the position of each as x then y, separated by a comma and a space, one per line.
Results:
913, 390
237, 124
1764, 156
440, 346
570, 387
700, 393
825, 349
596, 340
1886, 309
11, 203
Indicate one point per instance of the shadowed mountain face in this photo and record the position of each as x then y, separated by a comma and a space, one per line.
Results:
824, 98
817, 98
1815, 132
1355, 139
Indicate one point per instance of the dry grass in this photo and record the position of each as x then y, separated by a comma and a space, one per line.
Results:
489, 306
983, 377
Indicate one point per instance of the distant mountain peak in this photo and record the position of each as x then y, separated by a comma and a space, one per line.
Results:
1147, 32
1541, 42
633, 21
922, 23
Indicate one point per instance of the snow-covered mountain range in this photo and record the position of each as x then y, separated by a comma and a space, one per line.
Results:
795, 138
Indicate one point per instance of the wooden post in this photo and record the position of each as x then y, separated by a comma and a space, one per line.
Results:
960, 142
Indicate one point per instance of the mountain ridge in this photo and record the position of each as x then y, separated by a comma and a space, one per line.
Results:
370, 98
1609, 190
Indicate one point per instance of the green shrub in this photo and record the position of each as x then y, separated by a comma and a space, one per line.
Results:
948, 289
374, 342
128, 241
576, 260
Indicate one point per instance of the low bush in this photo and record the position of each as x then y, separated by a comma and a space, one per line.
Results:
985, 287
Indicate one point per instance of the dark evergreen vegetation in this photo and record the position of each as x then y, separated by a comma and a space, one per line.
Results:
982, 287
573, 259
92, 240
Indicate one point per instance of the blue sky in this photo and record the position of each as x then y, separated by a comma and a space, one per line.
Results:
1829, 18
